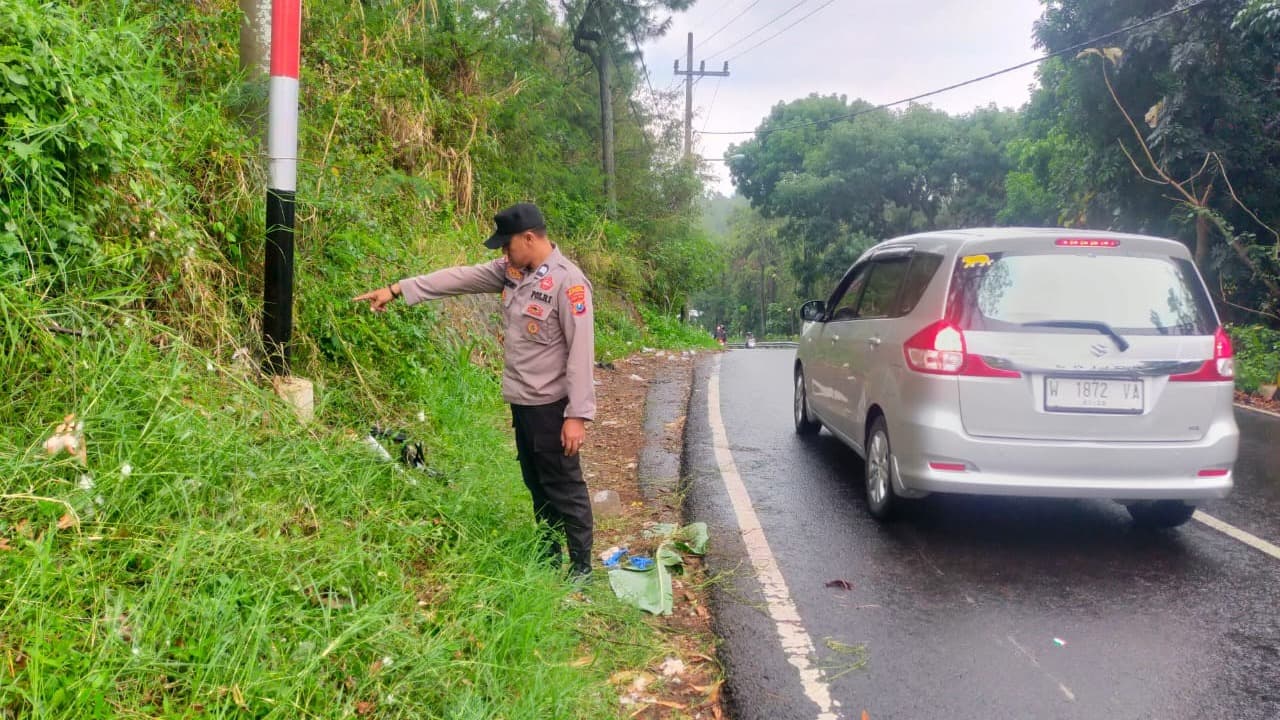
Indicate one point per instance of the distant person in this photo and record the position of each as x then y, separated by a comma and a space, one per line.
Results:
720, 334
549, 348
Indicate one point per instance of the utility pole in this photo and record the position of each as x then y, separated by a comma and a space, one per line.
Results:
689, 73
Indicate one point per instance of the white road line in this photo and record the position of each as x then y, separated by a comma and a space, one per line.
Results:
1252, 541
796, 643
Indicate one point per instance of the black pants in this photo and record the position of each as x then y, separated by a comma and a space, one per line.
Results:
560, 501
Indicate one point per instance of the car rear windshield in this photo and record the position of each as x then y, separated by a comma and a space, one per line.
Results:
1132, 294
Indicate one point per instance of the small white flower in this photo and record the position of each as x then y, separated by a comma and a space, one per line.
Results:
99, 500
208, 365
137, 651
386, 661
391, 699
126, 470
422, 416
86, 482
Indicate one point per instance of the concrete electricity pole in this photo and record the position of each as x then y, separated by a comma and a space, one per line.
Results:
689, 73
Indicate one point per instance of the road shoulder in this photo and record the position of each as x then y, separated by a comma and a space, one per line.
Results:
635, 448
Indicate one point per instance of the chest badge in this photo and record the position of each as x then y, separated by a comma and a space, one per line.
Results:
547, 283
542, 270
532, 327
534, 310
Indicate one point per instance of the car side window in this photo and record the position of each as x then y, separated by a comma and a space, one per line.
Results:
880, 298
845, 305
924, 266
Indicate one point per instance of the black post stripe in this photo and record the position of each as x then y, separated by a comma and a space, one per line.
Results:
277, 281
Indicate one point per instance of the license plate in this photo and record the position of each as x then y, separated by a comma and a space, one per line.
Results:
1090, 395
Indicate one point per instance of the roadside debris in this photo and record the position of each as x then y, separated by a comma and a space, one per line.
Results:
68, 436
645, 582
842, 584
606, 503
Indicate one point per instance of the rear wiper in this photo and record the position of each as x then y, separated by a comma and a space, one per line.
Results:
1101, 327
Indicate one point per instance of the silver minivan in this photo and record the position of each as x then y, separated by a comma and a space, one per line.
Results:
1025, 361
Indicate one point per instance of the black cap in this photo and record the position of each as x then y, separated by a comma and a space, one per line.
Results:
514, 220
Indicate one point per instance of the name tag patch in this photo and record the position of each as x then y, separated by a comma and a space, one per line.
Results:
541, 296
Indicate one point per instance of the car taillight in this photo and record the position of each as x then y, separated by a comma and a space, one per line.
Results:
940, 350
1221, 368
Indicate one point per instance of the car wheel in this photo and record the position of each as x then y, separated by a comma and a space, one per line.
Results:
1160, 513
804, 424
882, 501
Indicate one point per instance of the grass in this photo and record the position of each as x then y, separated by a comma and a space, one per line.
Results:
218, 559
213, 557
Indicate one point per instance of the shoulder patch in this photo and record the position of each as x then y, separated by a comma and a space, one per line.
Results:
577, 298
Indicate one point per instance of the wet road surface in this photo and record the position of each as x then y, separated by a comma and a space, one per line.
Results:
978, 607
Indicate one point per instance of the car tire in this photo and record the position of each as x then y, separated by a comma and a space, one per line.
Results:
1160, 513
805, 425
882, 500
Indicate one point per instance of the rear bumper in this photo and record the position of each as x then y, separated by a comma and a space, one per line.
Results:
1119, 471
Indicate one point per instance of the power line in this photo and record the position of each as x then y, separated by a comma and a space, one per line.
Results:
712, 104
711, 13
640, 53
806, 17
988, 76
732, 20
744, 38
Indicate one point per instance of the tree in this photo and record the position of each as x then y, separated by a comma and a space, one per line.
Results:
603, 28
1205, 82
842, 175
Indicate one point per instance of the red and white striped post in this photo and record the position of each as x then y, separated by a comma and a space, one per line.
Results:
282, 155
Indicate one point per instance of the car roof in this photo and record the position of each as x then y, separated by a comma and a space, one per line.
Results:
990, 238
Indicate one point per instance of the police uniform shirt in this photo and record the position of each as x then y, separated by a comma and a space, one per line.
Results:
548, 334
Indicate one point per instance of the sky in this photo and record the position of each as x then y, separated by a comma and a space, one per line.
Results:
877, 50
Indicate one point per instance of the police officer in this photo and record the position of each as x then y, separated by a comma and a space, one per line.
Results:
549, 345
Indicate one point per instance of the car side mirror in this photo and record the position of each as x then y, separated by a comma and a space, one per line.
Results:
813, 310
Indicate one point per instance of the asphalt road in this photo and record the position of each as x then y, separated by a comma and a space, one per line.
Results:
975, 607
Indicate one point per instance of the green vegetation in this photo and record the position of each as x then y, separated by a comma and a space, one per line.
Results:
1168, 130
1257, 356
213, 557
